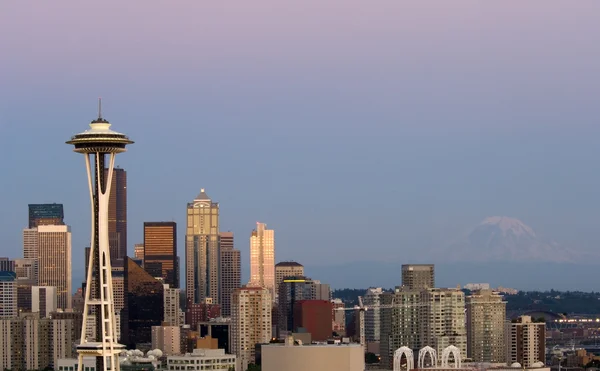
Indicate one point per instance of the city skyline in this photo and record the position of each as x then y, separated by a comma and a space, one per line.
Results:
462, 119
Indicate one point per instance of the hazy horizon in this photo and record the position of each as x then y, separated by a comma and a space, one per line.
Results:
355, 131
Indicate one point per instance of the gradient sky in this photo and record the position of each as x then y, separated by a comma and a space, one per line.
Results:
357, 130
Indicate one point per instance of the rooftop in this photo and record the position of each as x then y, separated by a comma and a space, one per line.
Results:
288, 264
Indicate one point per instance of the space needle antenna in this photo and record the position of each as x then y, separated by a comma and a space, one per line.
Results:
99, 107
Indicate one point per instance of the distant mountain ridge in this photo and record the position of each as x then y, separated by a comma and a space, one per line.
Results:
504, 239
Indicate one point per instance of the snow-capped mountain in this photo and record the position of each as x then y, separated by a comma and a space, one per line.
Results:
500, 238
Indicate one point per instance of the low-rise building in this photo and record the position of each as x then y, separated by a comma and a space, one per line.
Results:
202, 359
289, 357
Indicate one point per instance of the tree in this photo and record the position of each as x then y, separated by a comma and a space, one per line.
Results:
253, 367
371, 358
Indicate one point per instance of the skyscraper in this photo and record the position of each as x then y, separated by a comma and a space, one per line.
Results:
286, 269
202, 250
418, 276
231, 267
54, 261
99, 144
117, 215
525, 341
160, 251
138, 251
8, 295
46, 214
486, 314
262, 258
372, 299
250, 322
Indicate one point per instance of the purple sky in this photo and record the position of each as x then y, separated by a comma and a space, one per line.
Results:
344, 125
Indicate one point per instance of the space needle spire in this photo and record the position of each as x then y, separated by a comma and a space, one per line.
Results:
99, 144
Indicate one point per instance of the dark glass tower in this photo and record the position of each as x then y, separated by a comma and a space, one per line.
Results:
144, 305
45, 214
117, 216
160, 251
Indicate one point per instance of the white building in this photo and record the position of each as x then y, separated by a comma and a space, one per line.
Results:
171, 306
477, 286
443, 319
43, 300
8, 295
202, 359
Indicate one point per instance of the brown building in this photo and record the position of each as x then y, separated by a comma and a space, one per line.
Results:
117, 216
160, 251
231, 268
525, 341
418, 276
315, 317
203, 312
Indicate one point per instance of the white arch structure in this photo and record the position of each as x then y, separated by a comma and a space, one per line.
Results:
455, 352
423, 353
410, 359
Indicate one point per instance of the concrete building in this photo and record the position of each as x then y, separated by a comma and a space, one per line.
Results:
160, 251
171, 306
201, 312
70, 364
442, 320
11, 344
202, 359
44, 300
372, 299
338, 317
346, 357
486, 316
8, 295
250, 322
202, 251
231, 271
287, 269
314, 317
525, 341
262, 258
54, 261
418, 276
26, 270
167, 339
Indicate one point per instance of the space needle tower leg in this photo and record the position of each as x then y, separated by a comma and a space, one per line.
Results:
100, 144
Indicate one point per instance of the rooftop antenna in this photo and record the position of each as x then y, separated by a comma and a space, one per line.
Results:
99, 107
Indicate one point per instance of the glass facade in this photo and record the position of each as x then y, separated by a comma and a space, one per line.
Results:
143, 307
160, 251
46, 214
117, 216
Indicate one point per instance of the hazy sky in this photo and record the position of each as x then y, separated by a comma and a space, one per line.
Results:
357, 130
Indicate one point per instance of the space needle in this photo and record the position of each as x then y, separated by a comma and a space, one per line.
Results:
100, 145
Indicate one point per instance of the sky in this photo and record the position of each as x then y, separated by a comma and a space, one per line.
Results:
357, 130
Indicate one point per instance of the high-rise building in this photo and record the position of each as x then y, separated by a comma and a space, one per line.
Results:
30, 243
54, 261
46, 214
443, 320
286, 269
399, 324
44, 300
418, 276
291, 290
372, 300
338, 316
250, 322
7, 265
26, 270
100, 145
262, 258
525, 341
144, 305
8, 295
486, 314
172, 308
138, 251
160, 251
117, 215
231, 271
202, 252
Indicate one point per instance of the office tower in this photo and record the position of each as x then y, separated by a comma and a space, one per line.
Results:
202, 250
338, 316
144, 305
287, 269
100, 145
399, 324
167, 339
8, 295
44, 300
46, 214
418, 276
54, 261
231, 271
117, 215
7, 265
262, 258
486, 314
138, 251
525, 341
171, 306
250, 322
26, 270
443, 320
160, 251
314, 316
30, 243
291, 290
372, 300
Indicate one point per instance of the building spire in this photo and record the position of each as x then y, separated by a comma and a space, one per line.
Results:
99, 108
